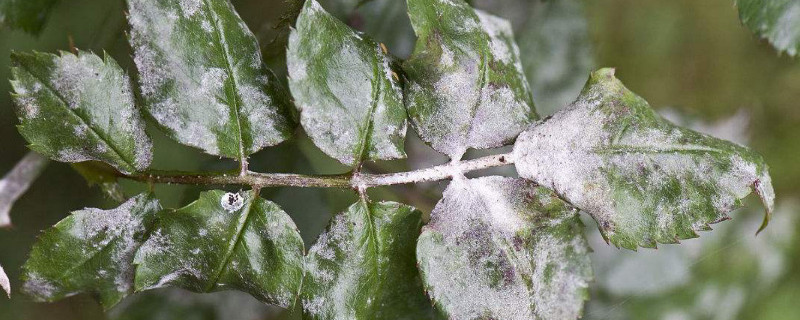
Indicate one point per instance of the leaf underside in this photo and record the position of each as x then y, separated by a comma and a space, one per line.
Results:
778, 21
91, 251
503, 248
350, 99
224, 241
80, 107
644, 180
202, 77
466, 85
363, 266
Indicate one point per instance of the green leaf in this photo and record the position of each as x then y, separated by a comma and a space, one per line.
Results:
350, 99
202, 77
225, 241
778, 21
27, 15
363, 266
504, 248
466, 88
4, 283
90, 251
644, 180
80, 107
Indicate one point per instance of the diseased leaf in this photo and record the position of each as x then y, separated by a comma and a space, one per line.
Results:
17, 181
644, 180
90, 251
363, 266
350, 99
27, 15
504, 248
553, 38
778, 21
4, 283
466, 87
202, 77
80, 107
224, 241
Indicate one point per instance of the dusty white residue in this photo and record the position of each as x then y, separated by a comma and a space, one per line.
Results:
480, 256
458, 108
191, 94
576, 154
353, 111
109, 234
98, 94
231, 201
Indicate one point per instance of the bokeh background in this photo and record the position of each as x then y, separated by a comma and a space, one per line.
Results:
692, 60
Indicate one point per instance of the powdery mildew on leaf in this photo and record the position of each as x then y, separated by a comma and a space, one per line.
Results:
644, 180
503, 248
205, 247
350, 99
4, 283
466, 87
363, 266
92, 251
80, 107
778, 21
202, 77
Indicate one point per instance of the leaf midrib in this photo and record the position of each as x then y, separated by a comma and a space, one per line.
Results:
229, 69
369, 120
240, 227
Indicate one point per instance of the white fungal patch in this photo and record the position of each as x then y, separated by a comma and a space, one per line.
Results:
622, 170
108, 236
460, 108
231, 202
356, 110
489, 252
190, 94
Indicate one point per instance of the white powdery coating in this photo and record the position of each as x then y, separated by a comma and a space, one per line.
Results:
99, 94
470, 110
484, 222
356, 111
785, 34
85, 81
105, 233
186, 91
498, 31
572, 153
4, 283
340, 280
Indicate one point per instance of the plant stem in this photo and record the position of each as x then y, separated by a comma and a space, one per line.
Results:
355, 180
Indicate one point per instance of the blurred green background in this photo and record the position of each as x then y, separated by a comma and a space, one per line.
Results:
692, 60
